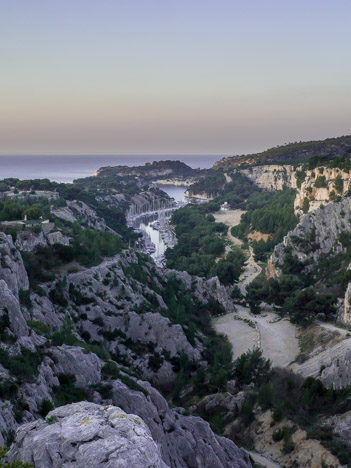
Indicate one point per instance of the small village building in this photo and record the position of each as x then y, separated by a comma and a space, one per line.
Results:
225, 207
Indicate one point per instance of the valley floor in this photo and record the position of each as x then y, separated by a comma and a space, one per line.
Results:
277, 339
252, 269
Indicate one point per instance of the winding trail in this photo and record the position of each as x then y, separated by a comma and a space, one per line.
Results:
277, 338
252, 269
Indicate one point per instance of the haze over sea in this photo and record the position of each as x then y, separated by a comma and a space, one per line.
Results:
66, 168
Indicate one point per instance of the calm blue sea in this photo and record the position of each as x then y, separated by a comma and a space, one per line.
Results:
67, 168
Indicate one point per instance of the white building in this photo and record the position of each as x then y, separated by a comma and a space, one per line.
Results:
225, 206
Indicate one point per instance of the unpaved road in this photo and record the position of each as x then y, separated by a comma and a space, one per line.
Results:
277, 340
332, 327
252, 269
230, 218
242, 337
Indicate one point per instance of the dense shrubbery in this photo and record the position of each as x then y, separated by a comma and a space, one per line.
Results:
12, 209
269, 213
252, 367
200, 243
305, 305
14, 464
330, 149
289, 396
301, 303
88, 248
212, 184
23, 366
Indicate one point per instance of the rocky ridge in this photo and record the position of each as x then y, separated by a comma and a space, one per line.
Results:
316, 235
80, 211
124, 313
319, 187
272, 177
85, 434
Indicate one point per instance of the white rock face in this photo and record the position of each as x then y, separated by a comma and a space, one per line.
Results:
9, 303
318, 196
12, 270
29, 240
331, 365
272, 176
316, 234
184, 441
83, 435
72, 360
80, 211
346, 316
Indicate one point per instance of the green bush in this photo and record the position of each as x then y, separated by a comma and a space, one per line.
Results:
45, 407
252, 367
14, 464
23, 366
39, 327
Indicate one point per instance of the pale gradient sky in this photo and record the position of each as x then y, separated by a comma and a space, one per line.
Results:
163, 76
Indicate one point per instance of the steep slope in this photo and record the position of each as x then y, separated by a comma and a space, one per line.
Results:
73, 338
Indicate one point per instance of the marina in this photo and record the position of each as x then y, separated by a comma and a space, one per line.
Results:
154, 225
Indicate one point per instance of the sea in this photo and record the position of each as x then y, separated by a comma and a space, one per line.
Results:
66, 168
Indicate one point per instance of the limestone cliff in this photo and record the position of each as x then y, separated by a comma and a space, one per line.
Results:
317, 234
272, 177
320, 186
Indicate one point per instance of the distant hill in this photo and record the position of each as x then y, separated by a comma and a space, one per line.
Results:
150, 170
292, 153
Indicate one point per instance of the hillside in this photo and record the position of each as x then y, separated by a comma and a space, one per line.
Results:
151, 171
291, 153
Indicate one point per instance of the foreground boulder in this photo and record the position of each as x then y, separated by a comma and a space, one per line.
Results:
84, 435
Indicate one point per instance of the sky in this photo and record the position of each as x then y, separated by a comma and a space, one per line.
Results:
172, 77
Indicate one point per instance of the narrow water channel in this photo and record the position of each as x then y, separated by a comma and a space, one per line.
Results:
156, 225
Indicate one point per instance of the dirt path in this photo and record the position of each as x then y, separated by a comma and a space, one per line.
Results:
242, 337
252, 269
277, 339
332, 327
232, 218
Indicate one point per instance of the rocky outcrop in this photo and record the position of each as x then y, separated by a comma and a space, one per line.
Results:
12, 270
271, 177
317, 234
119, 307
87, 435
9, 306
326, 355
346, 312
86, 367
111, 307
306, 452
319, 187
80, 211
185, 441
341, 424
29, 240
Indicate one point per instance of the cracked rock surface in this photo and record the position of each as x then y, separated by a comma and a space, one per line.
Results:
85, 435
